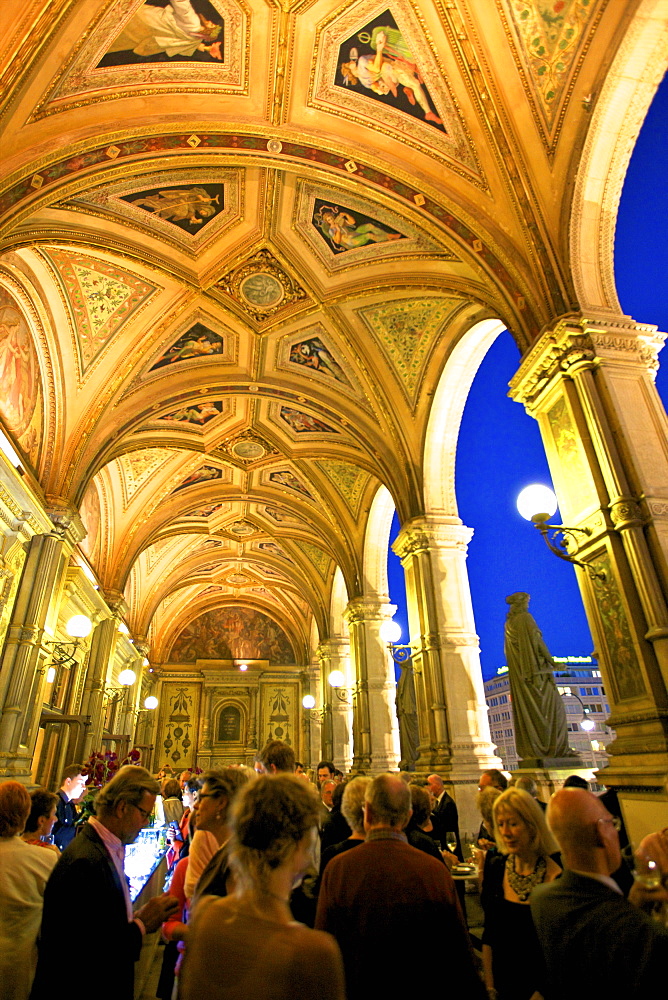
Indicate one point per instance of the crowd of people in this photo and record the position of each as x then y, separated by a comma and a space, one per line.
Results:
284, 884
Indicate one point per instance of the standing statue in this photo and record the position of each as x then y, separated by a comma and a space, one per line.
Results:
540, 720
409, 736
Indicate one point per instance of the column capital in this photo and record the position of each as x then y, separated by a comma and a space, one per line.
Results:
431, 531
334, 646
579, 341
66, 521
368, 609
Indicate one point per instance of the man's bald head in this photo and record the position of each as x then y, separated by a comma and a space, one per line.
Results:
387, 803
435, 784
585, 831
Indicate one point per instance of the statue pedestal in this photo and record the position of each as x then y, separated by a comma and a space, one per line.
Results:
571, 764
550, 774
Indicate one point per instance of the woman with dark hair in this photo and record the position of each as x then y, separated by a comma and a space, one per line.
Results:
41, 820
24, 872
274, 826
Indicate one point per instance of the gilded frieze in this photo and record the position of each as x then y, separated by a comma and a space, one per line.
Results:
178, 725
279, 712
348, 480
315, 555
626, 676
137, 468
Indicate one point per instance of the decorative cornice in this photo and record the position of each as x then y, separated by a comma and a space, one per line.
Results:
429, 533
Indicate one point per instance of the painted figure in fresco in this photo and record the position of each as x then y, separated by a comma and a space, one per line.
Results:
18, 369
194, 205
314, 354
343, 231
176, 30
200, 476
390, 68
302, 422
198, 414
286, 478
540, 720
197, 342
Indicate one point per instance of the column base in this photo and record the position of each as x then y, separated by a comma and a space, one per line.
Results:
552, 763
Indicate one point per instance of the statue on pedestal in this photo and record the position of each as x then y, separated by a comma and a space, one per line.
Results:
541, 733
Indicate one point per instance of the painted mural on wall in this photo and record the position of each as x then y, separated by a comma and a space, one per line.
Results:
206, 473
344, 230
20, 382
303, 423
198, 342
232, 633
205, 511
186, 206
312, 353
89, 512
196, 414
377, 61
279, 713
177, 732
169, 31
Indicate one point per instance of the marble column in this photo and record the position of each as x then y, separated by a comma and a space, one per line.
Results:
100, 660
452, 713
589, 383
337, 726
375, 727
25, 654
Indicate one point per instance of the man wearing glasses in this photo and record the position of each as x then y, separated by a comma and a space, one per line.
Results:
87, 898
595, 942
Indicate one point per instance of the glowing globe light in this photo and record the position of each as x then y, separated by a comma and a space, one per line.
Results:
127, 677
243, 666
337, 678
151, 702
79, 626
537, 502
50, 675
145, 662
308, 701
123, 629
588, 724
390, 631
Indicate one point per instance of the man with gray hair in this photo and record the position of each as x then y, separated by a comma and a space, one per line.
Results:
87, 898
386, 894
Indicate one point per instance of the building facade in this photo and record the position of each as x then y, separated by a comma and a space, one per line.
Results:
581, 687
251, 257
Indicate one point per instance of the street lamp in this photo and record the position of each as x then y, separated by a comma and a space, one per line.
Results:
538, 503
390, 632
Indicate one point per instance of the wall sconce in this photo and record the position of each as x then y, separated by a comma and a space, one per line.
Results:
78, 627
315, 714
390, 633
336, 680
151, 703
538, 503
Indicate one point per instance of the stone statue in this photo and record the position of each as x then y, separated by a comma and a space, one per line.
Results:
540, 720
409, 736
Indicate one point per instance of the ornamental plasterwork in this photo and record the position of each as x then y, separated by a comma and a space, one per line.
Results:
348, 480
263, 289
137, 467
83, 81
407, 330
100, 297
551, 39
413, 241
247, 448
451, 141
161, 220
315, 555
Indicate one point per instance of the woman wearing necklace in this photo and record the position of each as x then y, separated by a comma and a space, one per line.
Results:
526, 857
247, 944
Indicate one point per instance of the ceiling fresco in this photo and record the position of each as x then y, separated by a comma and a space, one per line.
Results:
238, 242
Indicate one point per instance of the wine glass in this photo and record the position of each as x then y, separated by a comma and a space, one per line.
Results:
451, 840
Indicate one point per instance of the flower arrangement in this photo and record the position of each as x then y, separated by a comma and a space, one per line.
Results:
101, 766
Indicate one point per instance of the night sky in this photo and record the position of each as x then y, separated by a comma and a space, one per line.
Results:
500, 448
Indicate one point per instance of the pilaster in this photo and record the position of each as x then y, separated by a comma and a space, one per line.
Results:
338, 713
375, 728
589, 382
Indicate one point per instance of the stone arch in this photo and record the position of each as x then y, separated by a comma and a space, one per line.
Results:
376, 541
445, 417
620, 111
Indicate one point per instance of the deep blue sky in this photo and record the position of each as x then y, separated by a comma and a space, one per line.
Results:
500, 449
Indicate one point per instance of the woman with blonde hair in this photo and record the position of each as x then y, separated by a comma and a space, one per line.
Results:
526, 856
274, 825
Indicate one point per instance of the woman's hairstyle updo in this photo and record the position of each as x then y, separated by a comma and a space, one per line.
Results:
269, 818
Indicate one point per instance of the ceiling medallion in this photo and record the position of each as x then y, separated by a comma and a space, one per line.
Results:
247, 447
261, 287
243, 529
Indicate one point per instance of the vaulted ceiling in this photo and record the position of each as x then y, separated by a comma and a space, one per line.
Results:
245, 237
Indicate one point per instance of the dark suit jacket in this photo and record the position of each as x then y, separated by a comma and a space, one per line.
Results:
85, 916
64, 828
596, 943
445, 818
385, 898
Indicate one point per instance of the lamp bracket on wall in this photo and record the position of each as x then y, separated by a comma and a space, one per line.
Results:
560, 549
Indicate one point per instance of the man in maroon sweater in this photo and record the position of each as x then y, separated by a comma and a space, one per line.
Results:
386, 898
